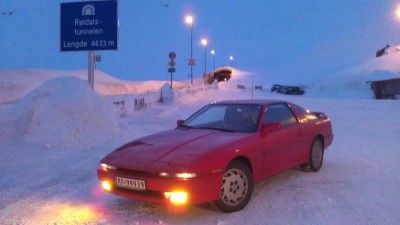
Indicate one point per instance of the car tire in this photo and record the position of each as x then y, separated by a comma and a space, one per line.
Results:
316, 155
236, 188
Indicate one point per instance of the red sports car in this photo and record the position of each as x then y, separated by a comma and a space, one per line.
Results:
218, 154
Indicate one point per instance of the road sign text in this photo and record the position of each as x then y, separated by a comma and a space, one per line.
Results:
91, 25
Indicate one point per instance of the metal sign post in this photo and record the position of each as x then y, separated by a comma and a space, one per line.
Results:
171, 79
171, 64
91, 68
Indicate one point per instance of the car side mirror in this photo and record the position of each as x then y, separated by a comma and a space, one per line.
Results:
179, 122
270, 127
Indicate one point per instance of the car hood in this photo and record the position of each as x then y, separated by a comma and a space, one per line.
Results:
177, 147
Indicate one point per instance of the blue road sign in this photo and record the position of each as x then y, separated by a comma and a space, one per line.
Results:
91, 25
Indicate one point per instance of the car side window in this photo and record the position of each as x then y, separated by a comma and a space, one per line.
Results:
280, 113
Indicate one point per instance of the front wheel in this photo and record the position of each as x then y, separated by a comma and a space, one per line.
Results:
236, 188
316, 155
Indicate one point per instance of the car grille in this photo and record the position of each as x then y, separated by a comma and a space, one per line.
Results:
126, 172
148, 193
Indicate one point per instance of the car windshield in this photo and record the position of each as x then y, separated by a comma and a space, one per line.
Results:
226, 117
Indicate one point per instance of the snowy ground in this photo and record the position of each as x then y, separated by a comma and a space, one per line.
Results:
52, 139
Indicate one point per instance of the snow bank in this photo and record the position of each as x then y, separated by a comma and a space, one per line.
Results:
354, 82
388, 62
17, 83
133, 87
14, 84
63, 113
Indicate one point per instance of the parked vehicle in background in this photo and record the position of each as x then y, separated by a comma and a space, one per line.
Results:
287, 90
275, 87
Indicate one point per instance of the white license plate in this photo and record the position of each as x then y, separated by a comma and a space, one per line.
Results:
130, 183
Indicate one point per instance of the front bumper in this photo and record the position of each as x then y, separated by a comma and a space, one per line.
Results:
200, 189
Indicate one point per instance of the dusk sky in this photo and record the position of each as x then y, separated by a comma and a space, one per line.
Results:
286, 38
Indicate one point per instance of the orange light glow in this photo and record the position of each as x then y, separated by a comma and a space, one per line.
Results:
106, 185
68, 213
177, 198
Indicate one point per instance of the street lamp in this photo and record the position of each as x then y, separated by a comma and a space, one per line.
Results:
213, 53
204, 42
397, 12
231, 59
189, 20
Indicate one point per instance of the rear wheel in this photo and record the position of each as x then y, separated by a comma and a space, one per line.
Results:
236, 188
316, 155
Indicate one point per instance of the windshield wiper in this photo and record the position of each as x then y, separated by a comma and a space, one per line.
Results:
216, 128
185, 127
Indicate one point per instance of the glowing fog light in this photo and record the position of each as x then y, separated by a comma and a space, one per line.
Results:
185, 175
106, 185
177, 198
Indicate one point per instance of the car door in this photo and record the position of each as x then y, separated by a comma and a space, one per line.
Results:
280, 150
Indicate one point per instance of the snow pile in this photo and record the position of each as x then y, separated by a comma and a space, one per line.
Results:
392, 49
354, 82
63, 113
14, 84
354, 86
381, 68
17, 83
166, 94
388, 62
133, 87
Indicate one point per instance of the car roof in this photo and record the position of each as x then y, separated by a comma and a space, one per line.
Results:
250, 101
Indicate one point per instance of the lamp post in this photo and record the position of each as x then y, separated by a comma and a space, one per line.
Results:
189, 20
213, 53
231, 59
204, 42
397, 12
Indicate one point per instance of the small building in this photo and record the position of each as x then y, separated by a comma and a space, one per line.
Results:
386, 89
